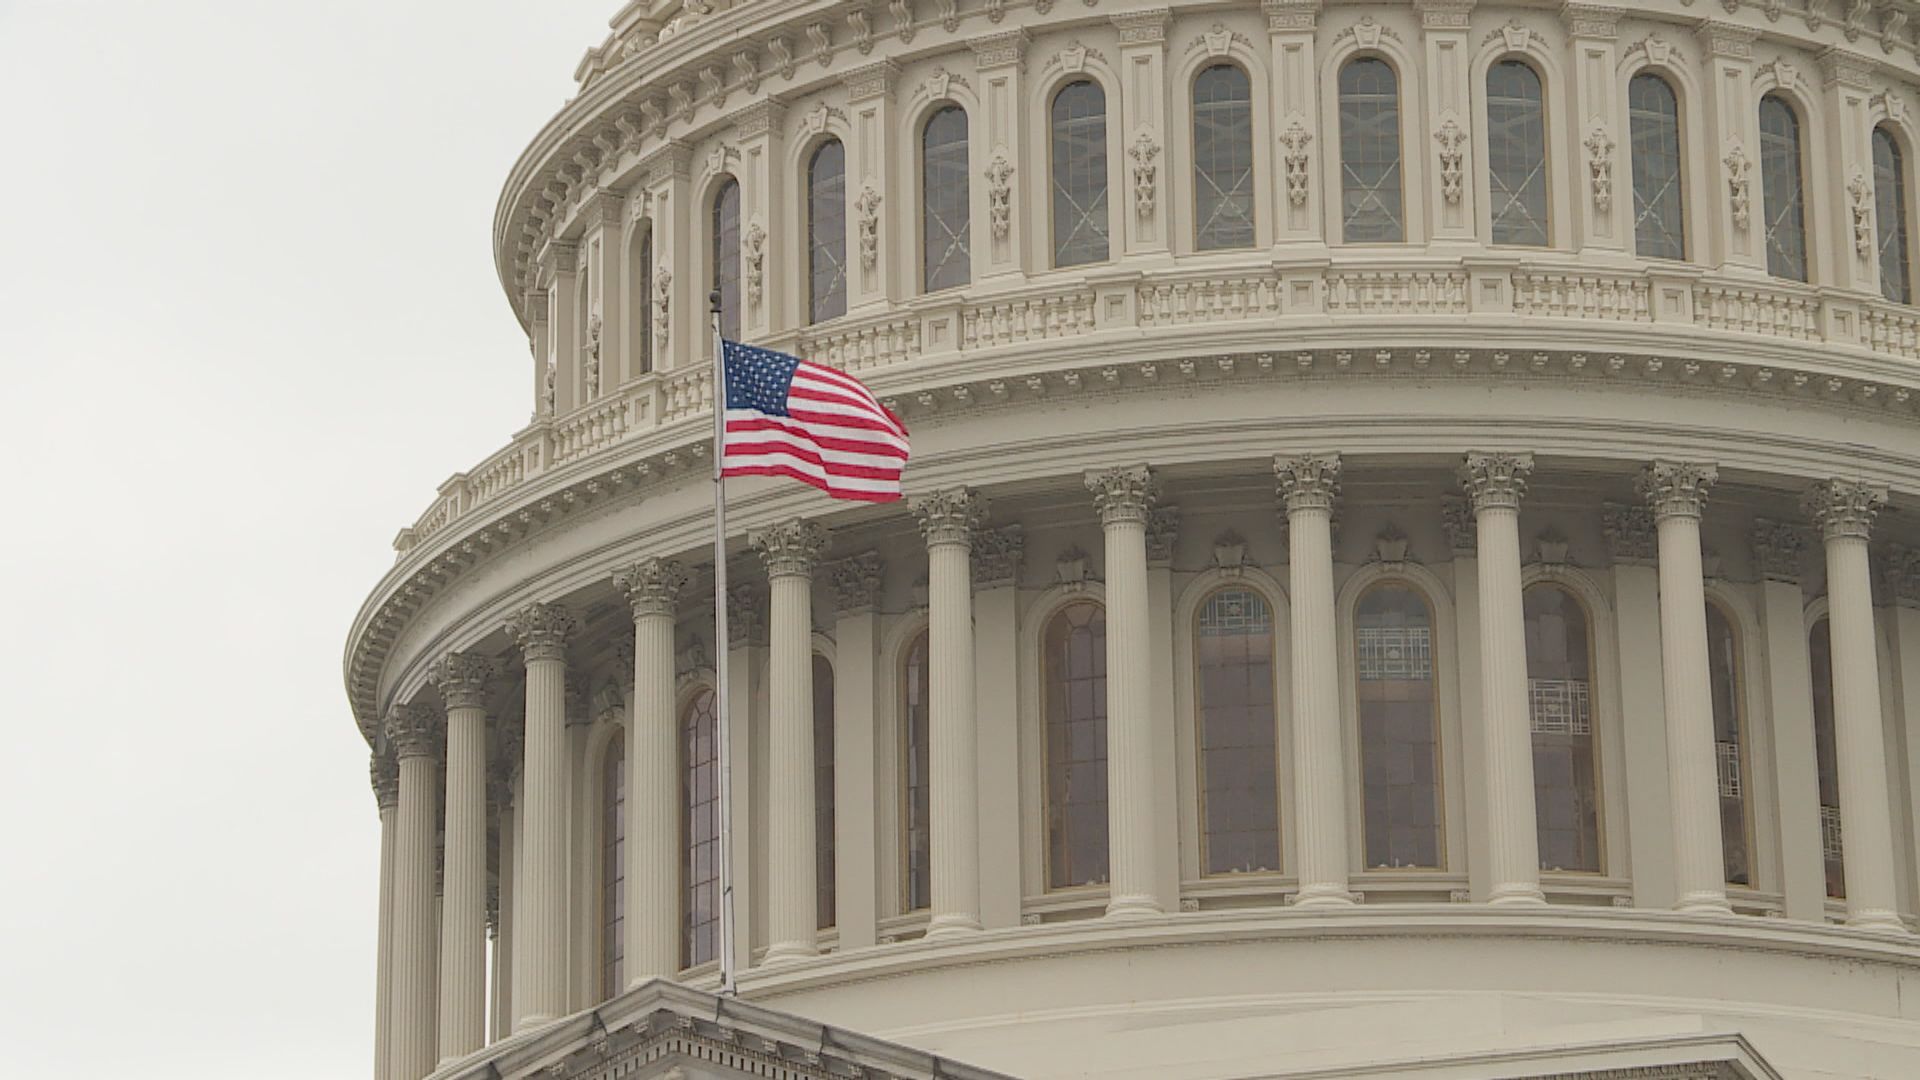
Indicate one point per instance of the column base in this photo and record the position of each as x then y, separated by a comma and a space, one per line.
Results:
1324, 896
1879, 921
950, 926
786, 952
1133, 907
1517, 894
1704, 903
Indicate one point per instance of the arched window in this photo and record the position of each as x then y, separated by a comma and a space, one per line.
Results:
1370, 177
700, 832
916, 832
1235, 717
726, 256
640, 309
1517, 154
1890, 215
1075, 668
827, 232
1079, 174
1827, 759
1222, 158
946, 249
1781, 192
1730, 745
613, 864
1566, 775
823, 788
1653, 120
1399, 727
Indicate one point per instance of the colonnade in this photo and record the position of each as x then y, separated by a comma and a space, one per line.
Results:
431, 997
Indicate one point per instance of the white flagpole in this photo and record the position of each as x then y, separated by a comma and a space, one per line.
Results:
721, 732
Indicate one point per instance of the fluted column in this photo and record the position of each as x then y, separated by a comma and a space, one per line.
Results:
652, 915
385, 772
1676, 491
1844, 511
500, 901
411, 732
1495, 483
1308, 487
790, 550
542, 631
511, 755
947, 520
462, 679
1124, 497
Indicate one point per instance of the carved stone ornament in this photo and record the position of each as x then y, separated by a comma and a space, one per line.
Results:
1676, 488
1453, 170
997, 554
1163, 528
857, 582
1844, 508
1778, 547
920, 593
1551, 547
1230, 553
1463, 530
1737, 185
949, 15
462, 679
1390, 545
1295, 139
542, 631
783, 58
791, 548
1308, 482
1143, 152
1900, 574
653, 586
1070, 567
949, 516
746, 615
662, 304
1599, 147
1860, 206
1495, 481
941, 83
548, 393
862, 29
754, 244
867, 208
592, 349
510, 745
1000, 194
1893, 24
902, 13
384, 771
1123, 494
413, 731
1857, 14
822, 40
1629, 532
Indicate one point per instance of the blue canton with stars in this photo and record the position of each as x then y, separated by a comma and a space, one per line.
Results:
758, 378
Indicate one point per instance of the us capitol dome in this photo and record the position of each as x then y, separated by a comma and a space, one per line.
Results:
1410, 565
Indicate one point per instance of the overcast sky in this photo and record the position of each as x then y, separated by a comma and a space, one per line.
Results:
248, 322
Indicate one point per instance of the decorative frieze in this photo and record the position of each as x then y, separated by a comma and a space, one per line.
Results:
1631, 539
1724, 39
1676, 488
1591, 20
1291, 16
1007, 48
1145, 27
1844, 508
652, 586
1123, 494
462, 679
997, 554
949, 516
1778, 548
857, 581
1496, 481
542, 631
1444, 14
1308, 482
871, 81
791, 548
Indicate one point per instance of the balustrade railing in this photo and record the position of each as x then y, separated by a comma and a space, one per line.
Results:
1621, 298
1396, 292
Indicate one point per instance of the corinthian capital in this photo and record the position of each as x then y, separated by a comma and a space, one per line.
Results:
1629, 533
1777, 548
412, 731
996, 555
1844, 508
1495, 481
652, 586
857, 582
384, 770
1125, 494
462, 679
1308, 482
949, 516
542, 631
790, 548
1676, 488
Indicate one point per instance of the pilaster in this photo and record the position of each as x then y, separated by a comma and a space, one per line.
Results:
1735, 219
603, 262
1143, 130
558, 269
1447, 123
1001, 190
1842, 159
1602, 208
874, 221
763, 176
1634, 553
679, 302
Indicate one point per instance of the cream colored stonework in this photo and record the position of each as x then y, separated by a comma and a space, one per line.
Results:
1302, 419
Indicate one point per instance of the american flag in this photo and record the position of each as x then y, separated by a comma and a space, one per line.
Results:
786, 417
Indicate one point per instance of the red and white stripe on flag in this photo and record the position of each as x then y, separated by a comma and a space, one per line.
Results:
835, 435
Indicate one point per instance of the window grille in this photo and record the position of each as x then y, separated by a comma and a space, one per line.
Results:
945, 214
1079, 175
1223, 158
1831, 848
1370, 210
1653, 116
1727, 754
1232, 612
827, 232
1517, 154
1890, 215
1560, 706
1395, 652
1781, 192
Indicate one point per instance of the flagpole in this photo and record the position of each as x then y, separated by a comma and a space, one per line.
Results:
720, 648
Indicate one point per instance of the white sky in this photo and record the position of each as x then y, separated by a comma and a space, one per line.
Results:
248, 322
